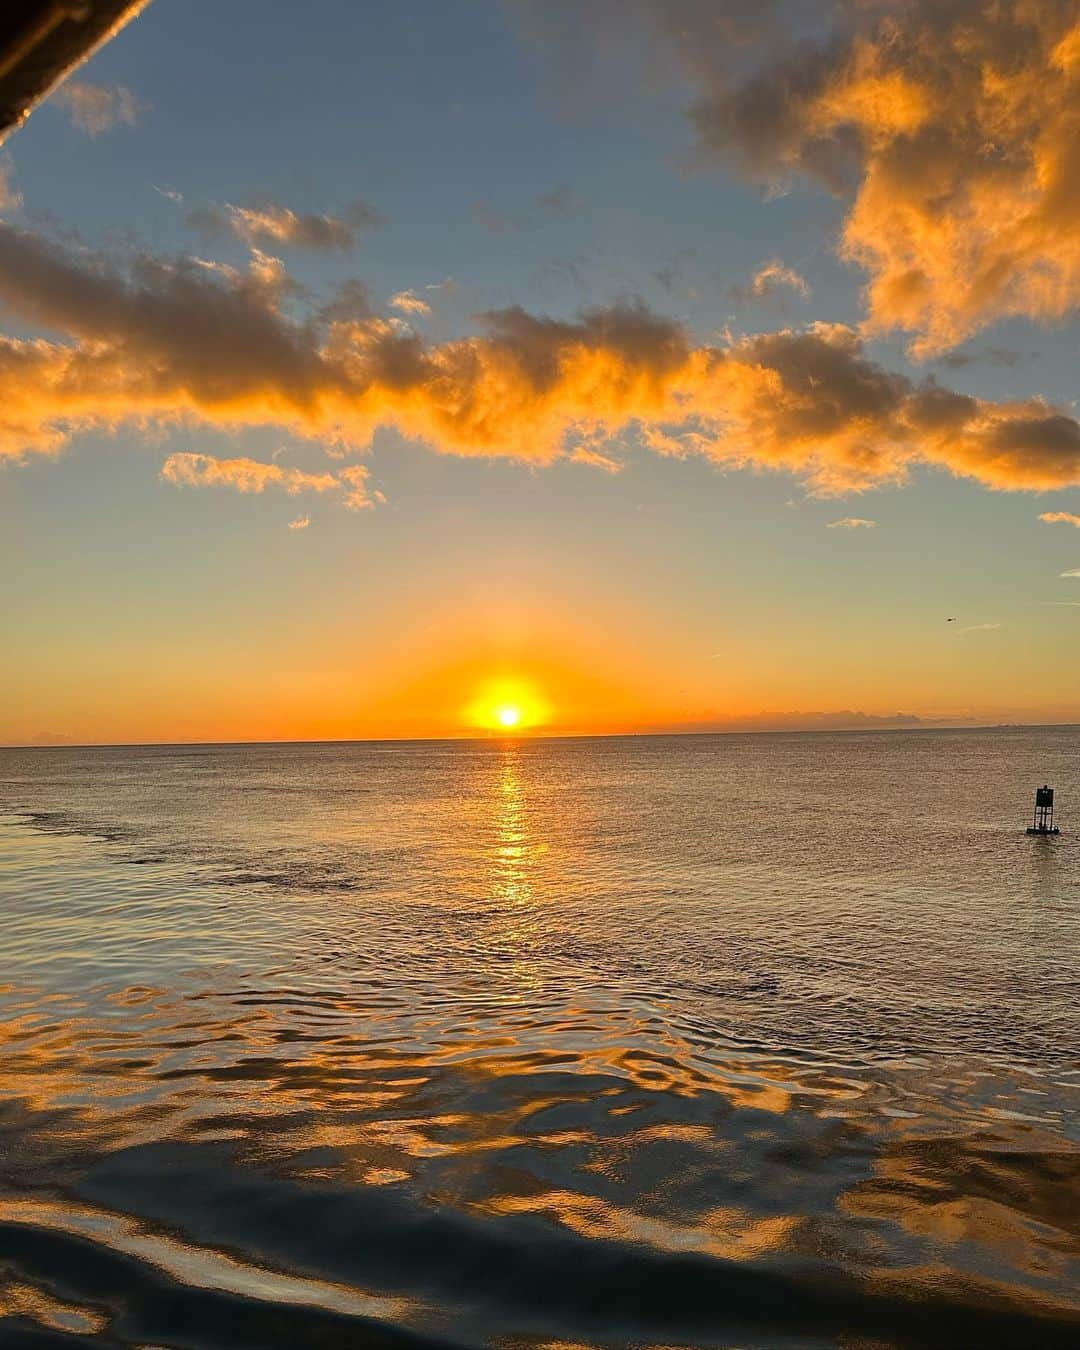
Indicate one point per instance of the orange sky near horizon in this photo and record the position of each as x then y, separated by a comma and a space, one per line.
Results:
438, 651
432, 688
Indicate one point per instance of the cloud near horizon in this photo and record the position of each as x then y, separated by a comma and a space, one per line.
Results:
845, 719
162, 341
951, 126
852, 523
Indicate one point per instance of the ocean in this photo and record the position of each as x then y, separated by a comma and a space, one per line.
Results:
743, 1041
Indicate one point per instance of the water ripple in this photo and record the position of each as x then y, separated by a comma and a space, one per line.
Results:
528, 1047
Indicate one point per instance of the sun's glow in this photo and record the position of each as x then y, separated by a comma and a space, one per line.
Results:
507, 703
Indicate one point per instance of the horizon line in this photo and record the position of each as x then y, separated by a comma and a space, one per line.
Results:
494, 738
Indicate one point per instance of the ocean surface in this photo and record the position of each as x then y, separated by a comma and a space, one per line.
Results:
747, 1041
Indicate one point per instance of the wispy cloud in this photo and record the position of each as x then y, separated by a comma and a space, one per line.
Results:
300, 523
770, 280
270, 225
10, 200
408, 302
97, 108
1072, 573
166, 339
245, 475
852, 523
187, 469
847, 719
169, 193
359, 494
989, 355
980, 628
1061, 518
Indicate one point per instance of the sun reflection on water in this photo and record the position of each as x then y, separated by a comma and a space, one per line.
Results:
511, 880
517, 918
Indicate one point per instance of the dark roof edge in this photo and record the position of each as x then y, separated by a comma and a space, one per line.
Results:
43, 41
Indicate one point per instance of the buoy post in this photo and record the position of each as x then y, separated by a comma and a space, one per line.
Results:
1043, 821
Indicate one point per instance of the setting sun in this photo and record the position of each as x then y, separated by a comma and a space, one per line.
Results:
507, 703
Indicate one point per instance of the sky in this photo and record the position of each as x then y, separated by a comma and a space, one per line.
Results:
630, 365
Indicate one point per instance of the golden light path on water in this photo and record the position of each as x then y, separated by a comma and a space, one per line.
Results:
570, 1042
514, 854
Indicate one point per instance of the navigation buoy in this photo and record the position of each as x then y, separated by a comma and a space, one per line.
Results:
1043, 823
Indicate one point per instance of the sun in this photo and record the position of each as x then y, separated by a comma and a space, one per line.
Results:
507, 703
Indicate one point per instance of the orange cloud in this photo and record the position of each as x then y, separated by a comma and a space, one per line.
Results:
1061, 518
961, 122
269, 225
359, 495
769, 280
162, 341
408, 302
953, 126
245, 475
187, 469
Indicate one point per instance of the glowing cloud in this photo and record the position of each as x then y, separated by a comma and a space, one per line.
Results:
251, 475
164, 340
408, 302
769, 281
269, 225
300, 523
852, 523
960, 121
244, 475
1061, 518
359, 495
951, 124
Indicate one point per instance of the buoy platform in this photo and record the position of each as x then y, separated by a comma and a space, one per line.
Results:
1043, 823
